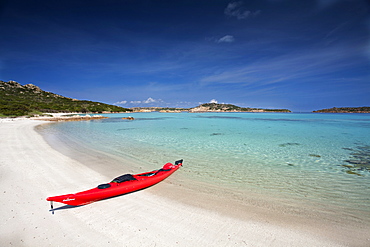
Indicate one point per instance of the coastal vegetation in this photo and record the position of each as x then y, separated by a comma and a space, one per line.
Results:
215, 107
18, 100
363, 109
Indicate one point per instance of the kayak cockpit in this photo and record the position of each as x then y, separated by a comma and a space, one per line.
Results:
120, 179
123, 178
104, 186
153, 173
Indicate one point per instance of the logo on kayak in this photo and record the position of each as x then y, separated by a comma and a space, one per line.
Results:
69, 199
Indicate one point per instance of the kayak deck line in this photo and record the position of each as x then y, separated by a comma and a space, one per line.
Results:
121, 185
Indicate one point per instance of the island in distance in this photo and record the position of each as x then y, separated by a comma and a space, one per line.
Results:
363, 109
208, 107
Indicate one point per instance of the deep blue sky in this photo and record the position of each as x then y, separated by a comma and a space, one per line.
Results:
302, 55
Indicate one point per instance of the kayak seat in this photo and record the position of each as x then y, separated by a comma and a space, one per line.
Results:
103, 186
123, 178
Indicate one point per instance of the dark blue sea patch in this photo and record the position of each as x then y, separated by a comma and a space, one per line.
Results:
126, 129
216, 134
151, 119
222, 117
359, 160
288, 144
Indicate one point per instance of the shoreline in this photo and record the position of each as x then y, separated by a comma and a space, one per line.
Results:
158, 215
205, 195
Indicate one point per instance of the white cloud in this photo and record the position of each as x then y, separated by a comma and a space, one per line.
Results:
226, 39
123, 102
213, 101
232, 8
150, 100
236, 9
297, 68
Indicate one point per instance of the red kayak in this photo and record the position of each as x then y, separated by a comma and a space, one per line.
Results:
121, 185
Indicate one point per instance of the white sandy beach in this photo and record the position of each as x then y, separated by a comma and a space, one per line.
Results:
30, 171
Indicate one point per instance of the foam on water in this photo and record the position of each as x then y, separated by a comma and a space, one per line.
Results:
318, 157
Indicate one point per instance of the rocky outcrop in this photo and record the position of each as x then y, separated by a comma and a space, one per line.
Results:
33, 87
9, 85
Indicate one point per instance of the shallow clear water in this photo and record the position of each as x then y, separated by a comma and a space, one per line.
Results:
318, 157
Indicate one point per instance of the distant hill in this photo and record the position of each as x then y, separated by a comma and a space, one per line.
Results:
208, 107
18, 100
214, 107
364, 109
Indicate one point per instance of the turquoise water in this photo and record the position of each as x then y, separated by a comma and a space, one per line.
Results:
316, 157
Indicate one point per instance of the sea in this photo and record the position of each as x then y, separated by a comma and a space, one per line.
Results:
315, 158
